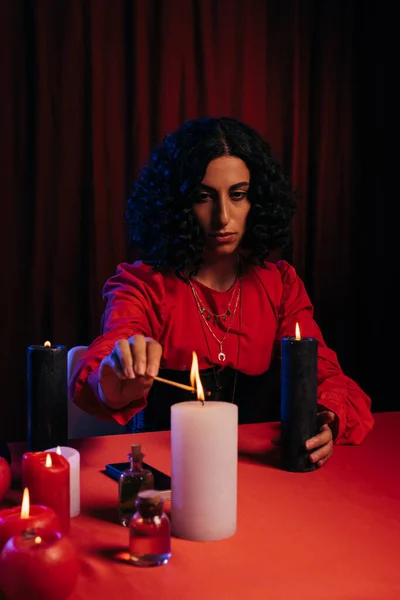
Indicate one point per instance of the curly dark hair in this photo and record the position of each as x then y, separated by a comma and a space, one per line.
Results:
161, 222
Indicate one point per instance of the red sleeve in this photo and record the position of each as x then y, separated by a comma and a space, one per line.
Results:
134, 299
336, 391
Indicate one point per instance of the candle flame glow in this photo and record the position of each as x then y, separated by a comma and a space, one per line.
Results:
298, 336
38, 539
47, 344
58, 450
195, 378
49, 462
25, 504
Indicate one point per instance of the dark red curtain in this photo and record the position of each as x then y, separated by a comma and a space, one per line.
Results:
87, 88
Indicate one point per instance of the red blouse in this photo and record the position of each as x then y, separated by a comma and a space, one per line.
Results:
163, 307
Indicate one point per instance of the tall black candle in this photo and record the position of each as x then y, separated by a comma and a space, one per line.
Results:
298, 401
47, 397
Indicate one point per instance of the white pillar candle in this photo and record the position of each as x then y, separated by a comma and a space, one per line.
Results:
204, 459
73, 457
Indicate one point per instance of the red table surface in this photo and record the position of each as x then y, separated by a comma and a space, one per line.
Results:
331, 534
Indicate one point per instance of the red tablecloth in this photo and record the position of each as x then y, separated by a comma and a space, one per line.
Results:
332, 534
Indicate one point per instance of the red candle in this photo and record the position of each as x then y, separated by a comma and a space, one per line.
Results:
38, 564
46, 475
5, 477
17, 519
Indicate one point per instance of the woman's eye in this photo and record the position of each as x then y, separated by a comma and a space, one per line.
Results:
202, 197
238, 195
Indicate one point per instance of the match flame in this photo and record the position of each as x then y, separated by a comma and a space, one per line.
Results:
195, 378
38, 539
49, 462
47, 344
58, 450
298, 336
25, 504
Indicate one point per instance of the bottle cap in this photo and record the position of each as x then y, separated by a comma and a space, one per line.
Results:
149, 497
136, 451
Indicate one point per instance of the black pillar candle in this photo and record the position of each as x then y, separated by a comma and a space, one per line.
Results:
298, 401
47, 397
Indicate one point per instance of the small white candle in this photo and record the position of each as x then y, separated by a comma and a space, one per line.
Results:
73, 457
204, 459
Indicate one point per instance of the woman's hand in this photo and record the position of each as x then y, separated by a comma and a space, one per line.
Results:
323, 441
127, 373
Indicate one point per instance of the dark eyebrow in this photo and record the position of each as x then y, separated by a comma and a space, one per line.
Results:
233, 187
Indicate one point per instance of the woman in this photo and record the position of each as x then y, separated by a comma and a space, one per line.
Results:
206, 213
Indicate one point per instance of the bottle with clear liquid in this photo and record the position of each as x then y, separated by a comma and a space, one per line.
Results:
149, 531
131, 482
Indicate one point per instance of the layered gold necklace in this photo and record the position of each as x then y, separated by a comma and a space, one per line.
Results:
228, 314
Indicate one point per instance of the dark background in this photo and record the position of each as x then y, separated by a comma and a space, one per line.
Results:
88, 86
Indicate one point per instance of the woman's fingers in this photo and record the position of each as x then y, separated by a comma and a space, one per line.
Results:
136, 356
325, 416
323, 442
146, 355
323, 460
329, 417
121, 359
118, 360
137, 345
154, 353
135, 362
322, 438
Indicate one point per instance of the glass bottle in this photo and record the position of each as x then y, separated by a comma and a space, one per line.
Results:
149, 531
131, 482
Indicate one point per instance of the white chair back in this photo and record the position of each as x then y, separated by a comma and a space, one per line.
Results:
80, 423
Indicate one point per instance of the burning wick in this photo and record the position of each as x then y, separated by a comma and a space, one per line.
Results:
49, 462
25, 504
47, 344
298, 336
195, 380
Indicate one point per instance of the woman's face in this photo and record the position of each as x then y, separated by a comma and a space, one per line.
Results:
222, 204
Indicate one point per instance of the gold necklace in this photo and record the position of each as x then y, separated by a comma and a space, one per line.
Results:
218, 387
207, 312
221, 354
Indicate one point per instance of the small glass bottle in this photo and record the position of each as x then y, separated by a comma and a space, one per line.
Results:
149, 531
131, 482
